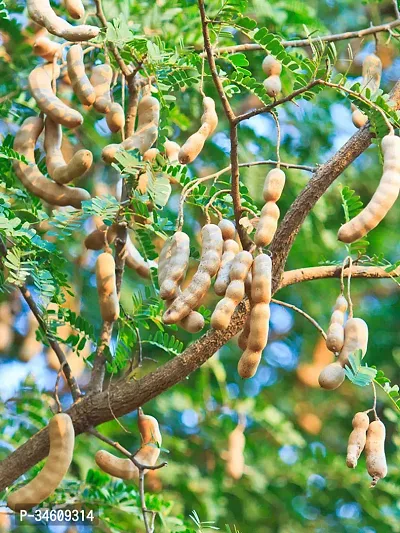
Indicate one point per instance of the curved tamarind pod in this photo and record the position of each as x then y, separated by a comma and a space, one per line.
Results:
273, 86
335, 335
371, 73
151, 154
267, 224
100, 80
30, 175
115, 117
58, 169
231, 248
273, 185
100, 237
146, 133
75, 8
106, 287
357, 439
76, 71
271, 66
359, 118
42, 13
44, 47
259, 317
235, 292
191, 297
193, 322
62, 438
171, 151
228, 229
235, 456
375, 451
383, 198
147, 455
177, 263
39, 82
135, 261
194, 144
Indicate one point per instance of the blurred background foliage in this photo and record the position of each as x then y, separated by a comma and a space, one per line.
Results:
295, 479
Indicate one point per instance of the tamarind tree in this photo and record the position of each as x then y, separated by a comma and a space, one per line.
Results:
199, 263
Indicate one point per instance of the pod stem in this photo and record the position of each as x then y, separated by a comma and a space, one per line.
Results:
278, 139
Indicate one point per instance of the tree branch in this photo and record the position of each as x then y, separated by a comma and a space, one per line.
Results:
372, 30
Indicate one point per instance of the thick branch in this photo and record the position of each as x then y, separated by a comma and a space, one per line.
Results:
372, 30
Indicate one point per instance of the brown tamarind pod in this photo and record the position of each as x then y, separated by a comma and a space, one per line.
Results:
359, 118
106, 287
146, 133
235, 291
147, 455
62, 439
75, 8
231, 248
267, 224
44, 47
271, 66
273, 185
115, 117
100, 80
100, 237
194, 144
76, 71
171, 151
259, 316
30, 175
335, 335
235, 454
177, 261
39, 82
42, 13
135, 261
273, 86
60, 171
192, 296
375, 451
357, 439
228, 229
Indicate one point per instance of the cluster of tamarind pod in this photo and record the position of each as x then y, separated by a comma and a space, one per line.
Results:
62, 441
272, 68
371, 437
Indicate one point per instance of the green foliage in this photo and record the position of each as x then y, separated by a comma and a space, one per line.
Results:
352, 206
357, 373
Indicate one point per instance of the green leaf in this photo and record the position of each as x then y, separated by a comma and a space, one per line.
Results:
358, 374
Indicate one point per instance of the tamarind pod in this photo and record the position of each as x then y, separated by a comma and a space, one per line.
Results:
375, 451
171, 150
97, 239
357, 439
228, 229
355, 338
177, 264
163, 260
106, 288
30, 175
371, 73
231, 248
194, 144
115, 117
267, 224
257, 340
58, 169
273, 185
193, 322
271, 66
149, 429
135, 261
76, 71
124, 468
359, 118
261, 282
62, 438
151, 154
75, 8
273, 86
235, 292
100, 80
332, 376
235, 460
39, 82
382, 200
42, 13
191, 297
335, 335
44, 47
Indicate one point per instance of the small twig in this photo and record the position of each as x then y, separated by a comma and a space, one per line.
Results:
342, 276
56, 396
301, 312
396, 9
278, 140
349, 289
212, 200
374, 404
